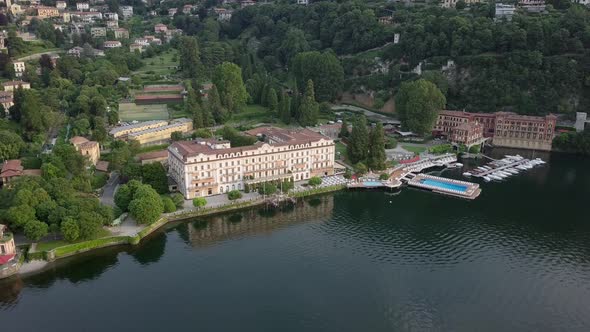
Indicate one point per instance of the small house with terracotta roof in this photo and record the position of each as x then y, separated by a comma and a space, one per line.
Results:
89, 149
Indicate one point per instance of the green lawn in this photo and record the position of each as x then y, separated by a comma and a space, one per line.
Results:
44, 246
131, 111
162, 64
151, 148
415, 149
251, 115
342, 149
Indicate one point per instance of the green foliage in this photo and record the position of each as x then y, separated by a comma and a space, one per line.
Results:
474, 149
190, 58
441, 149
309, 107
169, 205
35, 230
154, 175
384, 176
70, 230
358, 146
344, 129
146, 206
199, 202
202, 133
178, 200
578, 143
323, 69
347, 173
267, 188
314, 181
234, 194
376, 158
391, 143
236, 139
11, 145
360, 168
285, 109
417, 104
232, 91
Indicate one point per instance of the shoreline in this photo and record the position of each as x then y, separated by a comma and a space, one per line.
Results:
43, 260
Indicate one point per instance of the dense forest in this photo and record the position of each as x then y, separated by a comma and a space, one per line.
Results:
533, 64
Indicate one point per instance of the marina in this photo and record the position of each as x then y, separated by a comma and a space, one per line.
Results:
503, 168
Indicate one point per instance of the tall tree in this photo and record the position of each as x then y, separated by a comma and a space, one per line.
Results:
343, 129
418, 103
324, 69
190, 58
194, 107
377, 157
285, 109
358, 145
309, 108
272, 100
228, 80
219, 112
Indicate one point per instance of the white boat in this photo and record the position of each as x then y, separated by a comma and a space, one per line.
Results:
487, 179
541, 161
505, 173
458, 164
511, 171
494, 177
487, 168
466, 174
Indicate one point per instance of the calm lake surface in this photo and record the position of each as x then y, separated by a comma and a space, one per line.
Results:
515, 259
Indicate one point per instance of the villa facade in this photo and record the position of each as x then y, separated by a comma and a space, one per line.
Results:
207, 167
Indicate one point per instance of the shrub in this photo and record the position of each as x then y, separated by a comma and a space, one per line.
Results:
234, 194
178, 200
360, 168
474, 149
384, 176
347, 173
199, 202
315, 181
169, 205
70, 230
267, 188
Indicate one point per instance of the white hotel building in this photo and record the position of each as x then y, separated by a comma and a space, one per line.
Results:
207, 167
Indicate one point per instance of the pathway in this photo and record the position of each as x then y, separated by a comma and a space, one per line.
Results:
108, 192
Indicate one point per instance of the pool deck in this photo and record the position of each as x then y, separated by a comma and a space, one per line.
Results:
472, 192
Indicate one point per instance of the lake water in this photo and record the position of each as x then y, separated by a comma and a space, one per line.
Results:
515, 259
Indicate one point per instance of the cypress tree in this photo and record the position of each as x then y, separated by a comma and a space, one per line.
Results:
217, 110
358, 146
377, 155
343, 129
272, 100
285, 109
309, 108
192, 106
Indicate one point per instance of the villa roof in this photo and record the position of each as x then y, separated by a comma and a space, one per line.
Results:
102, 166
153, 155
77, 140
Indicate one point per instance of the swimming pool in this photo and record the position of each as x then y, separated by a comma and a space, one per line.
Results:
444, 185
372, 183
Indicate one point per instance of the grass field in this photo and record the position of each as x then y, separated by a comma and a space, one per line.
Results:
342, 149
251, 115
162, 64
130, 112
415, 149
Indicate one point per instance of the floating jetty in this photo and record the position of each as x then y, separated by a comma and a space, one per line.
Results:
503, 168
446, 186
408, 173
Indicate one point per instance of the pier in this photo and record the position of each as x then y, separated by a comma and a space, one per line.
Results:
409, 174
481, 174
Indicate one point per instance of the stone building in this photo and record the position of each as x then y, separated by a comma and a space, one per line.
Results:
89, 149
504, 128
161, 134
205, 167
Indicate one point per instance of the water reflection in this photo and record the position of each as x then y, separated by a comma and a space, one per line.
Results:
203, 232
